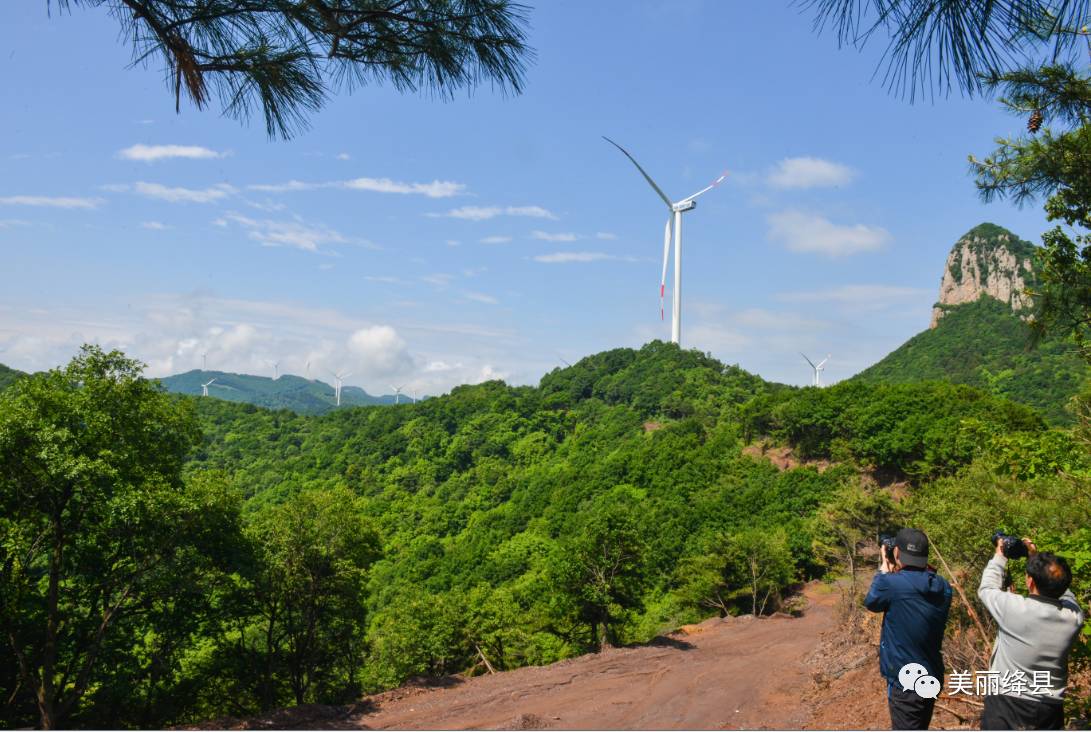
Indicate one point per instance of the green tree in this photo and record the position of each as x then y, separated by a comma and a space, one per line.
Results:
314, 551
767, 564
284, 57
853, 516
602, 567
97, 523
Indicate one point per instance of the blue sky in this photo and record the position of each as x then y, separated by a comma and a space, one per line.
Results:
413, 240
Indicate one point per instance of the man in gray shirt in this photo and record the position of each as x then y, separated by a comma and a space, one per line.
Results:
1036, 633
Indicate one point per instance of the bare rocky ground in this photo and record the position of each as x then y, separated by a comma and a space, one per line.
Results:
816, 671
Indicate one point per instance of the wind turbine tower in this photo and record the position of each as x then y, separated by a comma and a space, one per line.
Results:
276, 370
398, 393
818, 368
204, 362
339, 379
674, 221
204, 388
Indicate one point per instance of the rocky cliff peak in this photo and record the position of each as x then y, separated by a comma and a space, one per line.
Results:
986, 260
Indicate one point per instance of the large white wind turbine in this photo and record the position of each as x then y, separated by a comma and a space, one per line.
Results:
818, 368
398, 393
676, 208
204, 388
339, 379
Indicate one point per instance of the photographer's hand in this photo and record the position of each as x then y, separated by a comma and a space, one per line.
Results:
1031, 548
1000, 547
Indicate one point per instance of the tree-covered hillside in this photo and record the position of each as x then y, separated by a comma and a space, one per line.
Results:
985, 345
327, 556
301, 395
7, 376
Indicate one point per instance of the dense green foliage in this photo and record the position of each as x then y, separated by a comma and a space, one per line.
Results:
983, 344
914, 430
305, 396
495, 526
103, 548
8, 376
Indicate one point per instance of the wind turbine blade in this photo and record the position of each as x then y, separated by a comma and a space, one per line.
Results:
822, 363
666, 256
707, 188
807, 359
346, 375
642, 172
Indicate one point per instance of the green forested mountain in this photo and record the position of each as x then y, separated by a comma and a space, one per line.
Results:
8, 375
978, 336
985, 345
324, 556
287, 392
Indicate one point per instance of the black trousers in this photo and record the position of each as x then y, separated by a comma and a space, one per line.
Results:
908, 710
1009, 712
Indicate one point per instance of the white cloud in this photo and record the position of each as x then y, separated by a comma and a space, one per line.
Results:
807, 172
482, 298
153, 225
181, 195
51, 201
606, 235
567, 257
12, 223
439, 279
546, 236
857, 294
769, 320
435, 189
381, 351
803, 232
453, 242
385, 279
483, 213
496, 240
296, 233
152, 153
344, 156
170, 332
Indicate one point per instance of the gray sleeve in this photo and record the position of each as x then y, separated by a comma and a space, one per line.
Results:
997, 600
1069, 600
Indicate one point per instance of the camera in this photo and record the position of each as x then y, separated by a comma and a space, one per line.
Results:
1011, 546
886, 546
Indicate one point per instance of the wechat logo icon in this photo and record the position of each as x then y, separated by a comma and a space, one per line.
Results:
915, 677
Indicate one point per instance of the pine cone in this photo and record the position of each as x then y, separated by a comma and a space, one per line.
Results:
1035, 122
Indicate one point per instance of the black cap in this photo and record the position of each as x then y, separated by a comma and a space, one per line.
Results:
912, 547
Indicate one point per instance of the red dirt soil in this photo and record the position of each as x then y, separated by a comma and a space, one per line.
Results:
767, 673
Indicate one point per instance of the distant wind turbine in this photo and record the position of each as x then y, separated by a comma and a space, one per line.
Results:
339, 379
818, 368
204, 388
204, 362
308, 371
398, 393
676, 210
276, 370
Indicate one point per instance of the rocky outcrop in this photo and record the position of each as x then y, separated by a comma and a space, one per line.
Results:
987, 260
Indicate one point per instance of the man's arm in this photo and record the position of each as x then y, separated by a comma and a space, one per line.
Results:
998, 601
878, 595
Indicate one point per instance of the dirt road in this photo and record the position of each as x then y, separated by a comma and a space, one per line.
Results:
737, 672
775, 673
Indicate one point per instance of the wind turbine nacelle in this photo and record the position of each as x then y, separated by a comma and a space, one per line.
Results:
684, 206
